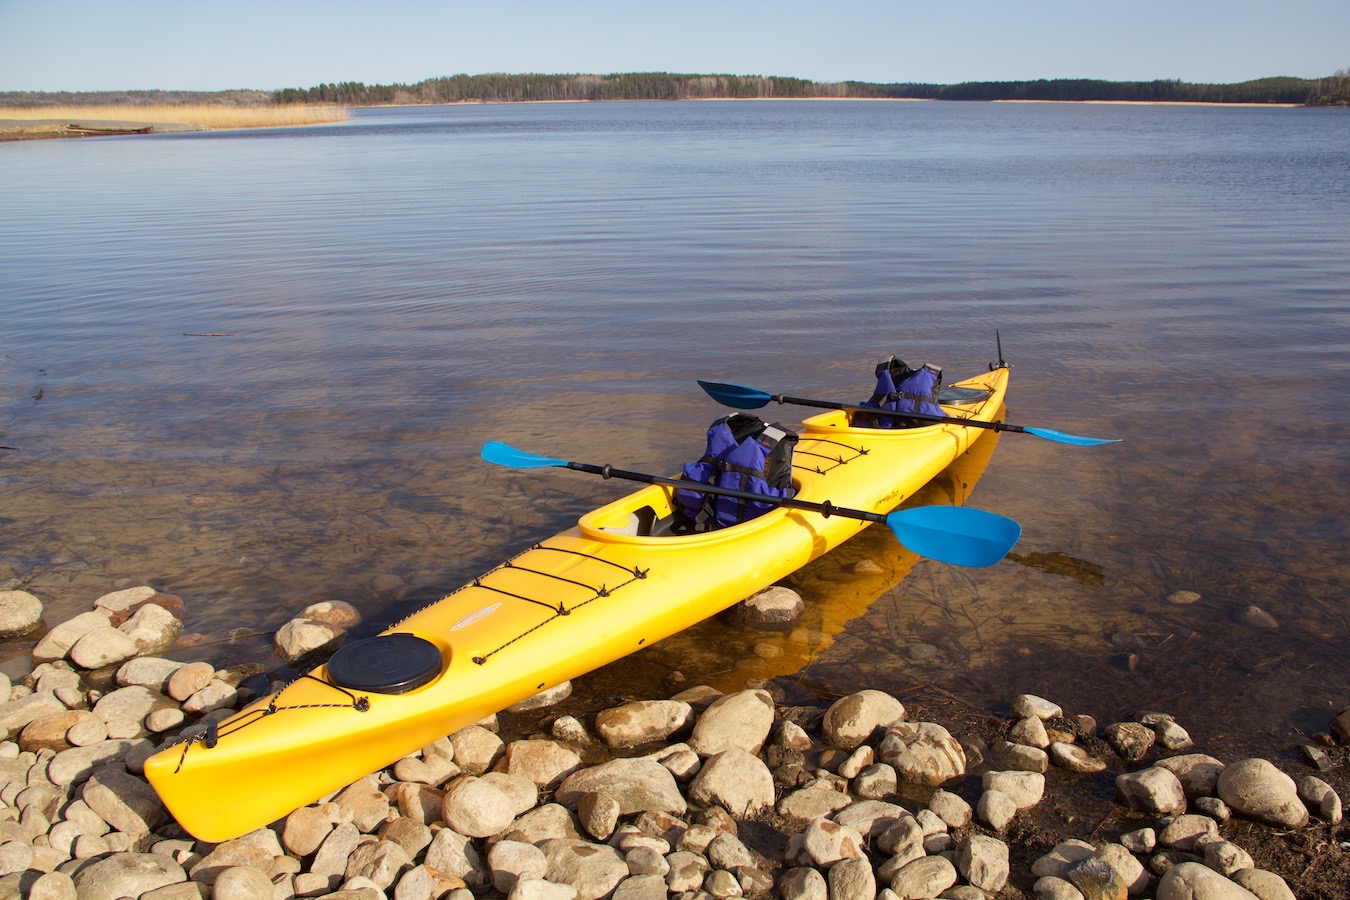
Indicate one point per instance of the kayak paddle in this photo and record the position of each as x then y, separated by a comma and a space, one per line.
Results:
957, 535
738, 396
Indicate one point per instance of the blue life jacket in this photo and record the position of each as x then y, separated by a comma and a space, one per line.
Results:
743, 453
903, 389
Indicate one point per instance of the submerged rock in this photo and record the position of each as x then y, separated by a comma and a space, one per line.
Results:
775, 609
20, 613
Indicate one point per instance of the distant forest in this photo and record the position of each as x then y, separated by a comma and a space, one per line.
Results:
1333, 90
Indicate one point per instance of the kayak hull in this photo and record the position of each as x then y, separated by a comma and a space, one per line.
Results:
566, 606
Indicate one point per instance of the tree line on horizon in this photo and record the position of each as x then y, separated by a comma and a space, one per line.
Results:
1334, 90
495, 88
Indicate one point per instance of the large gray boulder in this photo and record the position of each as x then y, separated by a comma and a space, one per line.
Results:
739, 721
1255, 788
642, 722
1195, 881
594, 870
735, 780
852, 720
56, 643
126, 875
640, 785
923, 753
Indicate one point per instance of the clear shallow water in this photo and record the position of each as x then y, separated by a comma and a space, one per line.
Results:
388, 294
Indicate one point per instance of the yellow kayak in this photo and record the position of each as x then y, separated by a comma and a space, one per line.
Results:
570, 604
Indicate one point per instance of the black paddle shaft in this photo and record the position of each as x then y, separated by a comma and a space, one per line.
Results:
826, 509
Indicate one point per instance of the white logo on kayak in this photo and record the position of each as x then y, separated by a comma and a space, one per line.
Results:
476, 617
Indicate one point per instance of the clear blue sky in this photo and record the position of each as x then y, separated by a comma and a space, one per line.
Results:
79, 45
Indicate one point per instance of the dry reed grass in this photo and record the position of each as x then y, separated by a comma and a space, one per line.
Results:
202, 115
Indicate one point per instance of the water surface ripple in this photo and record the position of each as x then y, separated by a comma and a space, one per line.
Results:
387, 294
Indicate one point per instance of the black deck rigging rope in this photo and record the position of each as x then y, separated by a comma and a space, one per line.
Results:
213, 732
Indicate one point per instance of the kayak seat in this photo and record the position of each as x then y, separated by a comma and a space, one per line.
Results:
640, 523
386, 664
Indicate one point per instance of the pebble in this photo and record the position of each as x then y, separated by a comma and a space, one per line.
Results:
1184, 831
1096, 879
1155, 790
1049, 887
1026, 705
1316, 757
951, 808
300, 638
922, 878
1256, 617
556, 818
1130, 869
1065, 854
187, 680
1266, 885
983, 861
996, 809
1030, 732
1173, 737
338, 613
1320, 798
1132, 740
1075, 758
1025, 789
1340, 726
1024, 758
1198, 773
851, 879
1225, 857
56, 643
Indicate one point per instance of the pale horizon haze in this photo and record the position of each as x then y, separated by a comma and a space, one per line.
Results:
93, 45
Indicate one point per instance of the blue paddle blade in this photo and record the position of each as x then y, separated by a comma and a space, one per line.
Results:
1051, 435
957, 535
505, 455
736, 396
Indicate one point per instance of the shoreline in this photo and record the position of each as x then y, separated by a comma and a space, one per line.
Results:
567, 797
51, 129
43, 129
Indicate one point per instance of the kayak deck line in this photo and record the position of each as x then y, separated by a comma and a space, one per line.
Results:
603, 591
835, 461
533, 622
213, 732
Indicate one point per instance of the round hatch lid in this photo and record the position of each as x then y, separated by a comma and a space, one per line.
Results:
960, 396
386, 664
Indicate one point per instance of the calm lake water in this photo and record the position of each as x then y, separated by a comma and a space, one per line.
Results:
254, 369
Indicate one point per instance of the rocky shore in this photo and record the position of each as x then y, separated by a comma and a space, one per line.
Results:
702, 796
